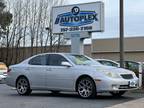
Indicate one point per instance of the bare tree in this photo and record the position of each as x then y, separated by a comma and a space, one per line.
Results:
30, 18
5, 21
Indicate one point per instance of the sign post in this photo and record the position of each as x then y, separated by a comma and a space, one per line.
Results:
77, 40
77, 22
140, 74
77, 44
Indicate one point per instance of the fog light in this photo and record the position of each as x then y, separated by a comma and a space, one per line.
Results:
115, 87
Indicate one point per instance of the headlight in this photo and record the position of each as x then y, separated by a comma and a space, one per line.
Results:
112, 75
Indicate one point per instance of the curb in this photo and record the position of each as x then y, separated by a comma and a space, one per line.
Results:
138, 91
139, 103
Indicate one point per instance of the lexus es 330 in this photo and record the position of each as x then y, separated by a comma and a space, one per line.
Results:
69, 72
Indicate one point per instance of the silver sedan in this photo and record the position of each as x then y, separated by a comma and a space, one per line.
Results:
69, 72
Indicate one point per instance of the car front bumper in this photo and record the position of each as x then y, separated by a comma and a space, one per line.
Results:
111, 84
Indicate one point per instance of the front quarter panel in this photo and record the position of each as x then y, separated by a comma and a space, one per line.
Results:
89, 71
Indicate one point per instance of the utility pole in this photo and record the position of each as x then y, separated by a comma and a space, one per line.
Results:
49, 34
121, 33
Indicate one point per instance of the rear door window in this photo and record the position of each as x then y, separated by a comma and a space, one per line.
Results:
38, 60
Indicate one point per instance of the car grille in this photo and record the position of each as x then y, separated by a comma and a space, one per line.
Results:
126, 87
127, 76
123, 87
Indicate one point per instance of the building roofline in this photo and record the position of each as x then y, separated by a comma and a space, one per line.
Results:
127, 37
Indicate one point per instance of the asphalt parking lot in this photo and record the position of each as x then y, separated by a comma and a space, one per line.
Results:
42, 99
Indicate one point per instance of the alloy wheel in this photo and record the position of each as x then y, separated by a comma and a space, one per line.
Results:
86, 88
23, 87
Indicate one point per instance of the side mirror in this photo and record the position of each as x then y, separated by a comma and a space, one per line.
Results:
67, 64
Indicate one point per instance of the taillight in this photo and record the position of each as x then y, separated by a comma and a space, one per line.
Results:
8, 70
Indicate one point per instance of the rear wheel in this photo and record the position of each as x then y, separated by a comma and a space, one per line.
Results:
117, 93
22, 86
86, 88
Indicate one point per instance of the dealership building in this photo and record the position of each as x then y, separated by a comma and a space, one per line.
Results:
109, 48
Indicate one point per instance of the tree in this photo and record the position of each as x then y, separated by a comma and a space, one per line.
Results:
5, 21
30, 18
5, 16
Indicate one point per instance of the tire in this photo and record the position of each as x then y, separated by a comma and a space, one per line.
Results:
117, 93
86, 88
55, 92
23, 86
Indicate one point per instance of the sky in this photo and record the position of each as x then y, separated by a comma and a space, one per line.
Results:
134, 18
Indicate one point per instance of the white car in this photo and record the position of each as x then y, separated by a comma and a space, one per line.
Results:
3, 71
69, 72
108, 62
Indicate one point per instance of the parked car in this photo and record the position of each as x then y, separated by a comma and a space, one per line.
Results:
3, 71
133, 66
108, 62
69, 72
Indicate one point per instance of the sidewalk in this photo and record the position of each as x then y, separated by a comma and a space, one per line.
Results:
139, 103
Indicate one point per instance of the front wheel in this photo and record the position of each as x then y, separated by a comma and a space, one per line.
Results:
86, 88
22, 86
117, 93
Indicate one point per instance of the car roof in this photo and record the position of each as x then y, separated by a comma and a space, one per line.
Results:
126, 61
57, 53
64, 54
2, 65
1, 62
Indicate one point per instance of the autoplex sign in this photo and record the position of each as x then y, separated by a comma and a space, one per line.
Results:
78, 18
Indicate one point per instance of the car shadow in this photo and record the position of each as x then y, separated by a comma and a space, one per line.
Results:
76, 96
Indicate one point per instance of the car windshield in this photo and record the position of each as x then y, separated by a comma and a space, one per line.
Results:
82, 60
108, 63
